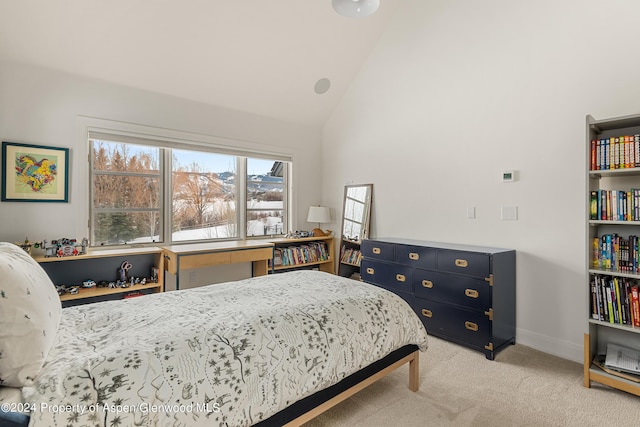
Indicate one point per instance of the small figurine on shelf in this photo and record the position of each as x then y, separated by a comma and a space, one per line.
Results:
154, 274
123, 271
27, 245
65, 247
89, 284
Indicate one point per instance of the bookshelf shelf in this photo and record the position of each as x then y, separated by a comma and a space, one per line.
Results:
635, 171
613, 248
350, 257
614, 273
605, 222
627, 328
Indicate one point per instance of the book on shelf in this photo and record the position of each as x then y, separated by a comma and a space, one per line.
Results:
302, 254
619, 152
623, 359
614, 205
615, 299
599, 362
616, 253
350, 256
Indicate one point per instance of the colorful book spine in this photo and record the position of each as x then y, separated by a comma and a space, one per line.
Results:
635, 304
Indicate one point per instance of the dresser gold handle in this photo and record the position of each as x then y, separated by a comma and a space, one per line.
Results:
471, 326
426, 313
377, 251
370, 270
414, 256
471, 293
462, 263
427, 283
400, 278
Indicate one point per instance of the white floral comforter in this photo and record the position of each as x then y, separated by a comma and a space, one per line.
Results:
230, 354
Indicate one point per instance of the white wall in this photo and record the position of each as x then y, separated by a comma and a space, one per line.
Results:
44, 107
458, 91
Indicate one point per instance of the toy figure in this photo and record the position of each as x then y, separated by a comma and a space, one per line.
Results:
124, 270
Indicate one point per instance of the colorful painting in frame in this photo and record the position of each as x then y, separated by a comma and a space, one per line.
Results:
34, 173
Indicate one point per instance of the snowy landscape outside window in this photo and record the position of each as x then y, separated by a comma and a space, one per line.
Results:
206, 200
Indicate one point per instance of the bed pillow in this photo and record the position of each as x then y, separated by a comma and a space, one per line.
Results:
30, 312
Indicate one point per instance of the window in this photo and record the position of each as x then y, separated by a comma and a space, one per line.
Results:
203, 196
126, 193
144, 193
266, 195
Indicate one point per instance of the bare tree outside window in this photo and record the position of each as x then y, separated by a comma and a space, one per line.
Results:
126, 193
204, 196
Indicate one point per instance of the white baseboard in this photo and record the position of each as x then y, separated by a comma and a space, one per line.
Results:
560, 348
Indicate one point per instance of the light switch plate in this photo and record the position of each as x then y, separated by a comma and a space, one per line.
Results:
471, 212
509, 213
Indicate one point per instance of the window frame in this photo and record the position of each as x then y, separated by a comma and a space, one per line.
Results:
165, 174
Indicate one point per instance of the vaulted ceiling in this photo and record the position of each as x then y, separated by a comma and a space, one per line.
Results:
258, 56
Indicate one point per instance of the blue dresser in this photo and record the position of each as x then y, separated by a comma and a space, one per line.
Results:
464, 294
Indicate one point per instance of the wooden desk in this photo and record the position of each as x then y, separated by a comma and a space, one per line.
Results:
198, 255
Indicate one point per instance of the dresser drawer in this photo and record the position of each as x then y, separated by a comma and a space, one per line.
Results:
472, 264
471, 293
416, 256
394, 277
458, 324
378, 250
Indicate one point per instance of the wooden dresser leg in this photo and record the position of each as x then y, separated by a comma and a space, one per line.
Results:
414, 372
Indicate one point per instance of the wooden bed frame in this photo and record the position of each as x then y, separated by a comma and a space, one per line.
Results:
314, 405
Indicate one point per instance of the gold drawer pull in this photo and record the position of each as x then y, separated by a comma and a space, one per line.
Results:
471, 293
489, 314
400, 278
426, 313
462, 263
414, 256
377, 251
370, 270
427, 283
471, 326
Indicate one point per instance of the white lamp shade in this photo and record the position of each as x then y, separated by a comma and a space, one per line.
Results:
318, 214
355, 8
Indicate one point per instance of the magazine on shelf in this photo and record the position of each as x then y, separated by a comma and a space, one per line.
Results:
622, 359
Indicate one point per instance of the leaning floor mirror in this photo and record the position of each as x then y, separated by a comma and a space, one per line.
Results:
356, 219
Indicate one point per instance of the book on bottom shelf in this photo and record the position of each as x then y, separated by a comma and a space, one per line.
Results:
622, 359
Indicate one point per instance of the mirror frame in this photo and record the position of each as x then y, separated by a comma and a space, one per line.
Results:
366, 214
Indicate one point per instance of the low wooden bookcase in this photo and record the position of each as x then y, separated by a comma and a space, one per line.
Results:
304, 252
102, 265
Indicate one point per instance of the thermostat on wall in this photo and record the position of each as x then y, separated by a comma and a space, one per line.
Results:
509, 176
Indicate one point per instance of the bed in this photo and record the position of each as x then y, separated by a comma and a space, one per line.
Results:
264, 351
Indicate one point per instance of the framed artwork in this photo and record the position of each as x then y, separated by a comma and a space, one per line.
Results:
34, 173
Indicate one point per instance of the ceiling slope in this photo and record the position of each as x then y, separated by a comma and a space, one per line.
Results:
258, 56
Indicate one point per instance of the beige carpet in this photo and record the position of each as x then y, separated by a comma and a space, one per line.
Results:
459, 387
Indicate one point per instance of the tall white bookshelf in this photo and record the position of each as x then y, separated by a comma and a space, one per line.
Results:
609, 181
